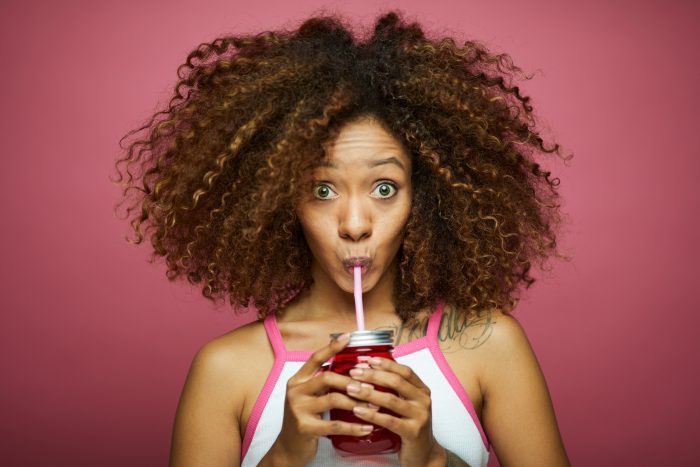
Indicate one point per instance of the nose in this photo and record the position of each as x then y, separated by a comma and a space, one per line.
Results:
354, 220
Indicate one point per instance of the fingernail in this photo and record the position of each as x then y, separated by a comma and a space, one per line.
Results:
375, 361
344, 337
362, 365
353, 387
367, 385
356, 372
359, 410
372, 406
367, 428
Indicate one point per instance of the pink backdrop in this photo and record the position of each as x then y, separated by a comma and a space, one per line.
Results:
96, 343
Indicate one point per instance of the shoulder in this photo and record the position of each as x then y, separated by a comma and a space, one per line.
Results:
244, 339
504, 348
207, 426
219, 362
490, 328
496, 339
518, 413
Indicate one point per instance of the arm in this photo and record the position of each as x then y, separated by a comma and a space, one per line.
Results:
206, 429
445, 458
518, 410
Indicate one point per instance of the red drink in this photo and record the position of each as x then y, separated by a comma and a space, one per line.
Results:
362, 346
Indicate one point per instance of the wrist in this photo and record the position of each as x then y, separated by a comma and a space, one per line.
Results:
438, 457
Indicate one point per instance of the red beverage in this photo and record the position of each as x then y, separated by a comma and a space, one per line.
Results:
362, 346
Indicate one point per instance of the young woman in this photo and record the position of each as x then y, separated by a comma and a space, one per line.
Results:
305, 153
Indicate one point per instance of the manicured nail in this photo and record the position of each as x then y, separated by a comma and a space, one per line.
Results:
372, 406
356, 372
367, 428
366, 385
362, 365
359, 410
375, 361
353, 387
344, 337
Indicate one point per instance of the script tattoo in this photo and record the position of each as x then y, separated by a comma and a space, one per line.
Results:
457, 330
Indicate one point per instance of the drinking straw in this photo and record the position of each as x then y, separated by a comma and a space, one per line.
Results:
359, 311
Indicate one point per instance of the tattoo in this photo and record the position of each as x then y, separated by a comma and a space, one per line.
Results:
454, 461
410, 330
464, 332
457, 330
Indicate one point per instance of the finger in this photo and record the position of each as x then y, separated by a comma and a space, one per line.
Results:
402, 370
381, 399
395, 424
338, 427
318, 358
333, 400
393, 381
321, 382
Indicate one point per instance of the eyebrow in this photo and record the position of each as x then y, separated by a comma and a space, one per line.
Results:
388, 160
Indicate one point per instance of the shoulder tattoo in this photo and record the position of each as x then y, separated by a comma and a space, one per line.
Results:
458, 331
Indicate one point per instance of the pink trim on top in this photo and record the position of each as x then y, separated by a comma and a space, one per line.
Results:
303, 355
434, 346
275, 338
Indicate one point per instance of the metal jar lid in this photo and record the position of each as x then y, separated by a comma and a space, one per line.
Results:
370, 337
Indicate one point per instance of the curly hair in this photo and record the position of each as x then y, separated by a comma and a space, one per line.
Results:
219, 173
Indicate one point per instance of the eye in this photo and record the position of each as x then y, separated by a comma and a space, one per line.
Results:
385, 190
321, 191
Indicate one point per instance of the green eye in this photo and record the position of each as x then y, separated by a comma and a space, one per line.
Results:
385, 189
322, 191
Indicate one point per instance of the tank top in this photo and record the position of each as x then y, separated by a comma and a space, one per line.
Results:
456, 426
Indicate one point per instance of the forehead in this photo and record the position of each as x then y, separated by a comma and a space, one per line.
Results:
365, 142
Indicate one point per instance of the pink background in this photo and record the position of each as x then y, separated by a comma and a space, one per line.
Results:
96, 343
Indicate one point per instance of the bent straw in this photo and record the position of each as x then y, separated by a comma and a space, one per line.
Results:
359, 311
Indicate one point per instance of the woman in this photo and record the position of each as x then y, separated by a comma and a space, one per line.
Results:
302, 154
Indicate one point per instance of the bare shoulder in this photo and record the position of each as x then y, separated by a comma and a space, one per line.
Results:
244, 339
503, 346
517, 413
207, 428
223, 355
460, 330
498, 332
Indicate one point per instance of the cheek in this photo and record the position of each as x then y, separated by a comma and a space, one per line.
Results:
394, 229
316, 233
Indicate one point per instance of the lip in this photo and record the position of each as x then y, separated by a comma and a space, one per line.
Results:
363, 261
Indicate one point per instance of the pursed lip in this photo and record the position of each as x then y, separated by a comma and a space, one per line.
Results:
363, 261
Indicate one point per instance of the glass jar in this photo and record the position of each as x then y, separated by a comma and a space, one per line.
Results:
362, 346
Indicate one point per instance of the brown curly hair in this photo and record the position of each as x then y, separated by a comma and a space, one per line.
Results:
219, 175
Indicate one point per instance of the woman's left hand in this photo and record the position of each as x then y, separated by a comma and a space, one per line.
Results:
413, 407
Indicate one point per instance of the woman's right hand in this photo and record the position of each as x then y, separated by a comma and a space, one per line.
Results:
306, 399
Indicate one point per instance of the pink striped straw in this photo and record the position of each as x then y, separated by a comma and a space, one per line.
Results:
359, 311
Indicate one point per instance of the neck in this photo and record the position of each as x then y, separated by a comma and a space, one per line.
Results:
325, 301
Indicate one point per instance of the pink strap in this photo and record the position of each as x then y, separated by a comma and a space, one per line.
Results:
273, 333
436, 351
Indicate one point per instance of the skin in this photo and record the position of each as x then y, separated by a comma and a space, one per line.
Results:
359, 207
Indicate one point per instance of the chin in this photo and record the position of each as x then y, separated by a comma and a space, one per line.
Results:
367, 283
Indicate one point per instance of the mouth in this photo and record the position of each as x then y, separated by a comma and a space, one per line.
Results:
363, 261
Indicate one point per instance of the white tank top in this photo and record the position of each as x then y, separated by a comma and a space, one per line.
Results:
455, 424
